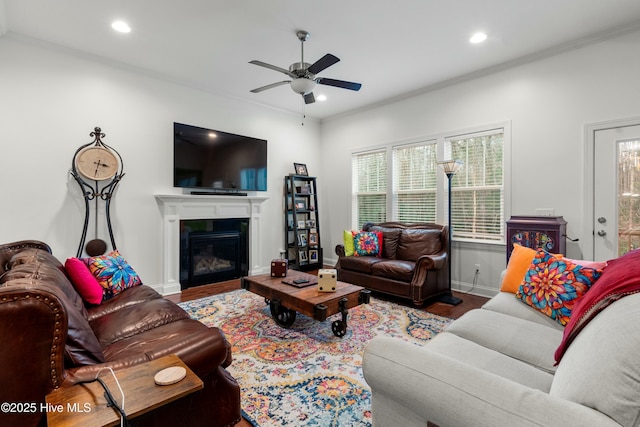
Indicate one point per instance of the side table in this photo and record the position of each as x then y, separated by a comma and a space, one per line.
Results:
85, 404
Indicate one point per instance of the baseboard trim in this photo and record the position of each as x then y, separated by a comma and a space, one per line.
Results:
167, 289
469, 288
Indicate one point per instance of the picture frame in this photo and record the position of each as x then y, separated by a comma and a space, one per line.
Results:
311, 223
313, 255
313, 239
300, 205
302, 239
302, 256
302, 224
301, 169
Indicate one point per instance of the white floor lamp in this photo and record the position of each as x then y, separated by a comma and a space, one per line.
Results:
450, 167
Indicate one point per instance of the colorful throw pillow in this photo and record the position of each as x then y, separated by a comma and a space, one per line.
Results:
553, 285
519, 263
367, 243
113, 273
347, 237
83, 281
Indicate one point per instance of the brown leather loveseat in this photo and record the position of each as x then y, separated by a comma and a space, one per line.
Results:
413, 263
51, 340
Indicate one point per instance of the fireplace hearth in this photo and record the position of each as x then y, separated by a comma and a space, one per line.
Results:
213, 250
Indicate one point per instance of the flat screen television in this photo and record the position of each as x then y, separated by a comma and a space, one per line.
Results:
216, 161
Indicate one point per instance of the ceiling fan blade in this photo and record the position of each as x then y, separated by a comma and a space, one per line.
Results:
339, 83
309, 98
274, 68
325, 62
272, 85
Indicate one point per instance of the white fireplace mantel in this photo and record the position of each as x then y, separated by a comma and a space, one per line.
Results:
177, 207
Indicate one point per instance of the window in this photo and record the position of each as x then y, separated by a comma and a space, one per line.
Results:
369, 188
477, 199
415, 189
414, 182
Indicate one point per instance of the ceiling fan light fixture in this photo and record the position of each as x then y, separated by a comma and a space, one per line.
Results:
302, 85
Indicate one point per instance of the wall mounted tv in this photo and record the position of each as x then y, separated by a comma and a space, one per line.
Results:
218, 162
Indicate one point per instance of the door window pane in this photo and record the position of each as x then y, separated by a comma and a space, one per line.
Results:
628, 196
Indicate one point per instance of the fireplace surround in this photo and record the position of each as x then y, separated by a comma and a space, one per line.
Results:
180, 207
213, 250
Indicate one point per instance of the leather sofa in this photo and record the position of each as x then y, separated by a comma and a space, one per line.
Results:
51, 340
412, 265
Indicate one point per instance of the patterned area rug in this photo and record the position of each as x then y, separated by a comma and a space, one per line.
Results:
304, 375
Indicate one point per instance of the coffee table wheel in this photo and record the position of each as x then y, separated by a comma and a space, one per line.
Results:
339, 328
282, 315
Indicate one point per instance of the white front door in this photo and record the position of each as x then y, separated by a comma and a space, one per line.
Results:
616, 196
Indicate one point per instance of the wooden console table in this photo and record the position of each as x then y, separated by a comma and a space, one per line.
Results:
85, 404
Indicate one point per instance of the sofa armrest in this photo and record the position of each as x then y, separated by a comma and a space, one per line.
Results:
33, 329
432, 262
412, 385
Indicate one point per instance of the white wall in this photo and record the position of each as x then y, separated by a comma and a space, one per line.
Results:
548, 102
50, 100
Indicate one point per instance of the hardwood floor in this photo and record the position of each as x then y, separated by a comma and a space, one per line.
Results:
469, 302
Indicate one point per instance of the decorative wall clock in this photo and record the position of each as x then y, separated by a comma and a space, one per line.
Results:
97, 168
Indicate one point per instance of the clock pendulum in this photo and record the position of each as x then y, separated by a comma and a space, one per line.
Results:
101, 164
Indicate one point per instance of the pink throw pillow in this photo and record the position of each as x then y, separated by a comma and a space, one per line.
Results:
600, 265
85, 283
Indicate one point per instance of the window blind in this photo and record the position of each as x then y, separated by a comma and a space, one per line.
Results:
414, 182
477, 199
369, 188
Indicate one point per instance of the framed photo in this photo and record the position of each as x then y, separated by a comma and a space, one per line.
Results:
311, 223
302, 255
313, 239
300, 205
302, 239
302, 224
313, 255
301, 169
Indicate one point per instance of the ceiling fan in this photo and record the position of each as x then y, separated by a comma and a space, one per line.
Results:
303, 74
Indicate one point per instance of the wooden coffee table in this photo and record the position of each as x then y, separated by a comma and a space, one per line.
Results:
285, 300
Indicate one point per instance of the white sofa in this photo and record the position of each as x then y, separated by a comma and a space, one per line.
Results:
494, 366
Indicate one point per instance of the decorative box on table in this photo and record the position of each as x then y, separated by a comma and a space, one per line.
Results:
327, 279
537, 232
279, 267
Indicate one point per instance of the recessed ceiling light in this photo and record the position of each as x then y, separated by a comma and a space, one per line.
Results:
322, 97
478, 38
121, 27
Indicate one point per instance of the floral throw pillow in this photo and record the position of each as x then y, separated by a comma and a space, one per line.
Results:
113, 273
367, 243
552, 285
